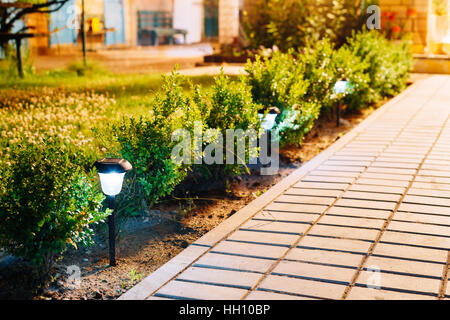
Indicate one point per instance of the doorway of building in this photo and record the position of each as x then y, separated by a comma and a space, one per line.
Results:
211, 19
114, 22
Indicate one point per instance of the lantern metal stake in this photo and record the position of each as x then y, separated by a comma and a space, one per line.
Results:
112, 172
340, 87
112, 230
338, 113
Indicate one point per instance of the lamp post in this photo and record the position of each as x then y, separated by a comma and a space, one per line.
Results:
112, 172
340, 87
83, 31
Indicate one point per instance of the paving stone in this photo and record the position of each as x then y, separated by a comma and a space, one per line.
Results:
366, 204
438, 180
200, 291
305, 199
335, 244
347, 163
322, 185
286, 216
416, 160
429, 193
427, 200
432, 186
405, 266
412, 207
352, 158
359, 212
264, 237
416, 239
358, 293
280, 206
383, 182
401, 282
388, 176
314, 192
275, 226
266, 295
391, 164
409, 252
315, 271
398, 171
422, 218
326, 257
341, 168
419, 228
239, 279
250, 249
374, 188
371, 196
434, 173
234, 262
344, 232
337, 173
331, 178
350, 221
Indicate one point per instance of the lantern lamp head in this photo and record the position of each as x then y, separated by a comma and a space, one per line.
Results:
341, 86
268, 117
112, 172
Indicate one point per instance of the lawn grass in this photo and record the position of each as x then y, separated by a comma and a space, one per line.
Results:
131, 91
70, 105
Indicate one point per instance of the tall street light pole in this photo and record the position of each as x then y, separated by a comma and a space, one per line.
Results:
83, 32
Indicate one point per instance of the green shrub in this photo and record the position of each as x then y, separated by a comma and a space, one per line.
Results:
320, 72
8, 66
277, 81
146, 142
47, 201
280, 81
230, 106
351, 68
296, 24
387, 64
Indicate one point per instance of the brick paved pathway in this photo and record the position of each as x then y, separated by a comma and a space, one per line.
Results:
373, 210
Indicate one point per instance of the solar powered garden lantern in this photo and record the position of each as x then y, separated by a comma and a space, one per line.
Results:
268, 118
340, 87
112, 173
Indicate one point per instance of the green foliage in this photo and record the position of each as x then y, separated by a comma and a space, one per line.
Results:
319, 70
47, 201
146, 141
88, 69
8, 66
230, 106
277, 81
280, 81
387, 65
297, 24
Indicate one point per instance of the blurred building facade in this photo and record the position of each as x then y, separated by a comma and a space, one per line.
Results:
114, 23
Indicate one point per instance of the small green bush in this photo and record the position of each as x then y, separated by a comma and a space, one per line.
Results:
146, 142
351, 68
47, 201
387, 64
280, 81
319, 70
277, 81
230, 106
